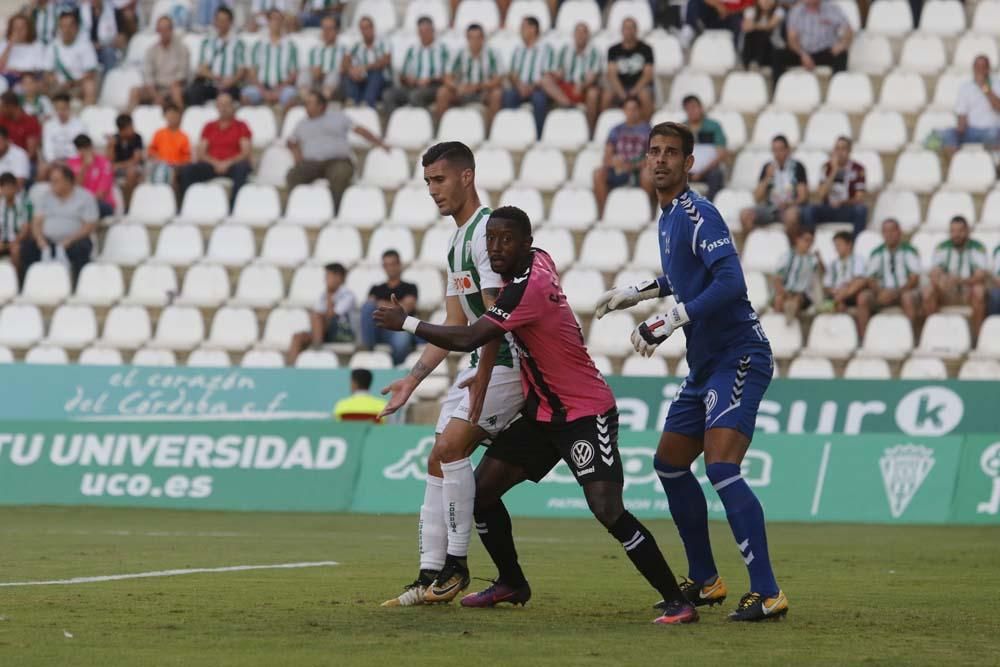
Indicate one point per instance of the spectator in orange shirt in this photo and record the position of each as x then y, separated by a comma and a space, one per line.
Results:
169, 149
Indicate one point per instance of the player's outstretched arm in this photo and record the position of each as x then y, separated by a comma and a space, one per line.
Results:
461, 339
620, 298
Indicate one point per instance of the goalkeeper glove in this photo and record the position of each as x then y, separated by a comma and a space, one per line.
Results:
620, 298
657, 328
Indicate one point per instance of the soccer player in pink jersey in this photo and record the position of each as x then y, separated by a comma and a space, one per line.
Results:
569, 413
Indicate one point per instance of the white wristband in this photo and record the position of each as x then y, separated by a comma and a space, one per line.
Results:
410, 324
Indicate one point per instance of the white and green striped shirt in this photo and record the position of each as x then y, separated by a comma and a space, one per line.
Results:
475, 69
327, 57
14, 216
842, 271
798, 272
576, 66
362, 54
531, 62
961, 262
224, 57
46, 21
274, 62
425, 61
996, 261
892, 268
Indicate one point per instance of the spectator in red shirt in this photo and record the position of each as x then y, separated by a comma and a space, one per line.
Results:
842, 191
22, 128
224, 150
94, 173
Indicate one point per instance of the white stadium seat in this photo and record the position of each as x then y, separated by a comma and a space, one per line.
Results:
943, 17
8, 282
231, 246
565, 129
902, 91
918, 170
391, 237
125, 245
713, 53
381, 12
604, 249
179, 328
118, 82
233, 329
582, 288
971, 45
785, 335
639, 366
430, 286
126, 327
882, 131
100, 356
291, 120
317, 359
361, 279
154, 357
691, 83
206, 358
494, 168
746, 168
308, 282
668, 54
771, 123
584, 165
603, 364
285, 246
527, 199
980, 369
281, 325
205, 286
833, 336
647, 252
513, 129
559, 244
888, 336
260, 120
925, 242
930, 121
734, 127
483, 12
850, 92
259, 286
152, 284
256, 206
923, 368
46, 284
147, 119
797, 91
944, 205
851, 11
861, 368
413, 207
945, 336
946, 92
758, 290
638, 10
153, 204
98, 284
810, 368
435, 10
746, 92
465, 125
362, 206
870, 53
572, 12
825, 127
375, 360
986, 18
20, 326
409, 128
366, 117
100, 124
263, 359
903, 205
204, 204
989, 217
972, 170
46, 354
611, 335
543, 168
628, 209
574, 208
813, 161
384, 169
891, 18
338, 244
72, 327
923, 54
195, 119
763, 249
435, 244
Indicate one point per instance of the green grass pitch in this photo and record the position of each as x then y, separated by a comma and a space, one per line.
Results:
859, 594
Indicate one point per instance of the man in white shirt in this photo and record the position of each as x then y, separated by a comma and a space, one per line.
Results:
13, 158
330, 317
978, 110
58, 134
71, 61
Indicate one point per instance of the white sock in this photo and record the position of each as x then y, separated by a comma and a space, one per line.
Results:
459, 497
433, 533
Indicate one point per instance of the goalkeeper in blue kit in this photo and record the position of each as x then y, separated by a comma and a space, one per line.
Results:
715, 408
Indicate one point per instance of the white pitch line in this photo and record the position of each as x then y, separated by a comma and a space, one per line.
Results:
168, 573
820, 478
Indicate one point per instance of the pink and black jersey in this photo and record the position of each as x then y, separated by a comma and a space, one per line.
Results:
560, 381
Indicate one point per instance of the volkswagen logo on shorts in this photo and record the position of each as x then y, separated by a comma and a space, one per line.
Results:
582, 453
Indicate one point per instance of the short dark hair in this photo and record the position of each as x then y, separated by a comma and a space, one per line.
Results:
960, 219
844, 236
690, 98
362, 378
125, 120
630, 98
336, 267
672, 129
804, 231
782, 138
846, 139
83, 141
454, 153
390, 253
336, 21
168, 107
72, 13
892, 220
532, 21
60, 97
10, 99
224, 10
318, 94
515, 215
4, 133
7, 178
425, 19
475, 26
66, 172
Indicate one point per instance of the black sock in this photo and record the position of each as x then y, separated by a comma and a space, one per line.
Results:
459, 561
493, 526
642, 550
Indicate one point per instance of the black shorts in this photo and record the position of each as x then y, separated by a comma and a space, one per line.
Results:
588, 445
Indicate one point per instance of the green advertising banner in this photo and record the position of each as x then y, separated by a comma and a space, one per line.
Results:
852, 407
977, 499
878, 478
279, 465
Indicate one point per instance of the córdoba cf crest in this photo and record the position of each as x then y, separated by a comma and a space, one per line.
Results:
904, 469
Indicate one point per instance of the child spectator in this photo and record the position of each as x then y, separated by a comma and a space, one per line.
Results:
94, 172
794, 281
169, 149
32, 100
844, 279
125, 153
15, 218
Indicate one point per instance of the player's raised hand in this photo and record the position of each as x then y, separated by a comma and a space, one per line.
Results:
390, 317
620, 298
401, 390
656, 329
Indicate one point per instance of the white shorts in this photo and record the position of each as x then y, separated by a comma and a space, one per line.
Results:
504, 398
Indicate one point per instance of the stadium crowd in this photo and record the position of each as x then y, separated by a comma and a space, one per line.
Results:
66, 184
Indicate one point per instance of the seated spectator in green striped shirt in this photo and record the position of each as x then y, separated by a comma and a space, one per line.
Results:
844, 279
15, 218
367, 67
221, 63
327, 62
793, 284
577, 76
893, 277
531, 62
422, 73
474, 77
274, 66
960, 273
